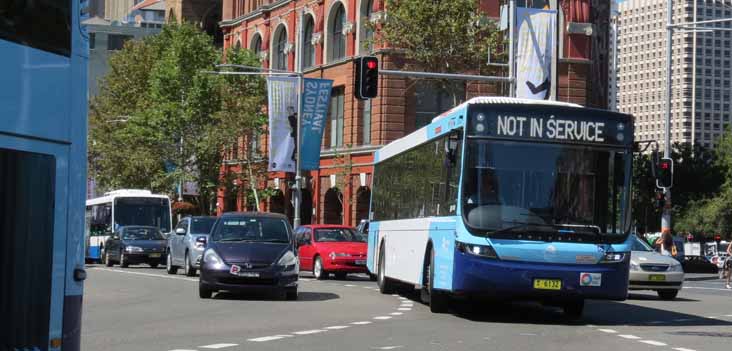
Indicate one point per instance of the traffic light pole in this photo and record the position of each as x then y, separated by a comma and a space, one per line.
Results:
666, 214
298, 172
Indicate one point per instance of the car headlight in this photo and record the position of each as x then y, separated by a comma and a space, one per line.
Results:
333, 255
676, 268
486, 251
200, 242
613, 257
288, 259
133, 249
634, 266
210, 256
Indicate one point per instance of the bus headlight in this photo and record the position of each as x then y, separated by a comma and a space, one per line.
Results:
613, 257
132, 249
486, 251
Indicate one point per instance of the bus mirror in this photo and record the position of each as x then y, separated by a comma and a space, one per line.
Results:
451, 146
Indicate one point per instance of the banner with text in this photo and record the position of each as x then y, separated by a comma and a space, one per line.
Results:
315, 103
282, 96
535, 33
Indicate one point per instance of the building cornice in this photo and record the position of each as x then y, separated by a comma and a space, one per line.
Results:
254, 14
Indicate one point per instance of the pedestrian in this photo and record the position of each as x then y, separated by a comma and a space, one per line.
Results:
728, 265
665, 244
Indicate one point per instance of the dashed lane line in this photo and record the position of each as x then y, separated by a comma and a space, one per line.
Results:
609, 331
396, 313
270, 338
628, 336
218, 346
699, 287
653, 342
182, 350
683, 349
382, 318
308, 332
404, 309
361, 323
337, 327
146, 274
387, 347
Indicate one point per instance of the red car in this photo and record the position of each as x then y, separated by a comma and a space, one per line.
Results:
325, 249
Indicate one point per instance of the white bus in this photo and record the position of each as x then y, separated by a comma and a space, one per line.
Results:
120, 208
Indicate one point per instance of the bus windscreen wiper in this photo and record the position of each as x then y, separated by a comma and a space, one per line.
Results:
522, 226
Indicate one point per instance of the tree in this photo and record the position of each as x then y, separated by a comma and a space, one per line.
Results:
160, 119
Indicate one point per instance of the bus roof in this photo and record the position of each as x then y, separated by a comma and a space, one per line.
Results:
111, 195
454, 119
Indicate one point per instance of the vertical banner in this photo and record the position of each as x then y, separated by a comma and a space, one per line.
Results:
282, 96
315, 103
535, 33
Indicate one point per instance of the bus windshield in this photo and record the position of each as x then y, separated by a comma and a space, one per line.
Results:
142, 211
558, 188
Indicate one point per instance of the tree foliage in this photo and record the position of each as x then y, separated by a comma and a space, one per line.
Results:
160, 119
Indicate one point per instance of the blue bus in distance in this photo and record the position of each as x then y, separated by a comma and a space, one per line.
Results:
506, 198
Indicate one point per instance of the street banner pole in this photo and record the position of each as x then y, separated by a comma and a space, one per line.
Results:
666, 216
298, 146
511, 43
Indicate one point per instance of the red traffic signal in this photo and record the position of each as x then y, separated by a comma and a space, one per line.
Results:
665, 173
717, 238
367, 77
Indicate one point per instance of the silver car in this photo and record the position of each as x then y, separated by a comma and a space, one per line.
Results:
649, 270
186, 244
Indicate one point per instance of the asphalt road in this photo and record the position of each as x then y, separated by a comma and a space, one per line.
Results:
140, 308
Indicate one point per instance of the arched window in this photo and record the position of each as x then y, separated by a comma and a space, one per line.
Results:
308, 49
337, 41
366, 32
279, 57
256, 44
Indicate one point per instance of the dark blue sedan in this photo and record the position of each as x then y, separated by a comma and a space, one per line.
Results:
135, 245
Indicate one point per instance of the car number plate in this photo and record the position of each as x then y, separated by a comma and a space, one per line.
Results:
360, 262
154, 255
657, 277
548, 284
249, 274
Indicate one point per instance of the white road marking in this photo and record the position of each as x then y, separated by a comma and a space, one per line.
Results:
628, 336
406, 305
395, 295
349, 285
182, 350
713, 317
146, 274
308, 332
270, 338
698, 287
683, 349
590, 326
404, 309
361, 323
217, 346
396, 313
337, 327
609, 331
387, 347
382, 317
652, 342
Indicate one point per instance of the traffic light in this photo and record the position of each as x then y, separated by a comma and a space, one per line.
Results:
665, 173
718, 238
367, 77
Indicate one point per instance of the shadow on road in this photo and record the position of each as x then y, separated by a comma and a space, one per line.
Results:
648, 297
303, 296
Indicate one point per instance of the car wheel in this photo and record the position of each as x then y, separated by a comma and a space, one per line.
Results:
574, 309
123, 260
386, 286
190, 271
291, 294
108, 261
318, 270
438, 300
667, 294
204, 292
340, 276
169, 267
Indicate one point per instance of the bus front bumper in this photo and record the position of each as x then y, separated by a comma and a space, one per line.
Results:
478, 276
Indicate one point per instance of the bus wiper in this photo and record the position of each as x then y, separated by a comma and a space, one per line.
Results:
522, 226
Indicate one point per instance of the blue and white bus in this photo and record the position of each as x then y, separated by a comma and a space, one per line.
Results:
43, 124
506, 198
119, 208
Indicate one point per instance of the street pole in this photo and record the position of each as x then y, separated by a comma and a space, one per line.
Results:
298, 171
511, 53
614, 87
666, 216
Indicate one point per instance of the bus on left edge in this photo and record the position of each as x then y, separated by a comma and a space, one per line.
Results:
43, 131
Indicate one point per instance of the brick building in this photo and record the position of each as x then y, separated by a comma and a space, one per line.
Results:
333, 34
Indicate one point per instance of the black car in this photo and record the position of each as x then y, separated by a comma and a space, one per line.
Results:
249, 252
135, 245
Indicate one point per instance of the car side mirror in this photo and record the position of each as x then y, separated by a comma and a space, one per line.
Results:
180, 231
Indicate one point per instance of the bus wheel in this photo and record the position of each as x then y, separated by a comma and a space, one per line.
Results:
108, 261
438, 300
574, 309
386, 286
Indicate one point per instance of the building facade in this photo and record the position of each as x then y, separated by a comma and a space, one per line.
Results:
701, 95
334, 33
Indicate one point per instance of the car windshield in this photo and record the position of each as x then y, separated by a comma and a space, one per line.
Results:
142, 211
557, 187
148, 233
202, 225
639, 245
338, 235
252, 229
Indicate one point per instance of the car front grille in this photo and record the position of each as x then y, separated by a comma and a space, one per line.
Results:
251, 265
654, 267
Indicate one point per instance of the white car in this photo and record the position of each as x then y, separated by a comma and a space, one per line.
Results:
650, 270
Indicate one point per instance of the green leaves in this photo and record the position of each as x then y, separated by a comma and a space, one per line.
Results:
160, 118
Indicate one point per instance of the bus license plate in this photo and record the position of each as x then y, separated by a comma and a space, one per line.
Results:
548, 284
657, 277
360, 262
154, 255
